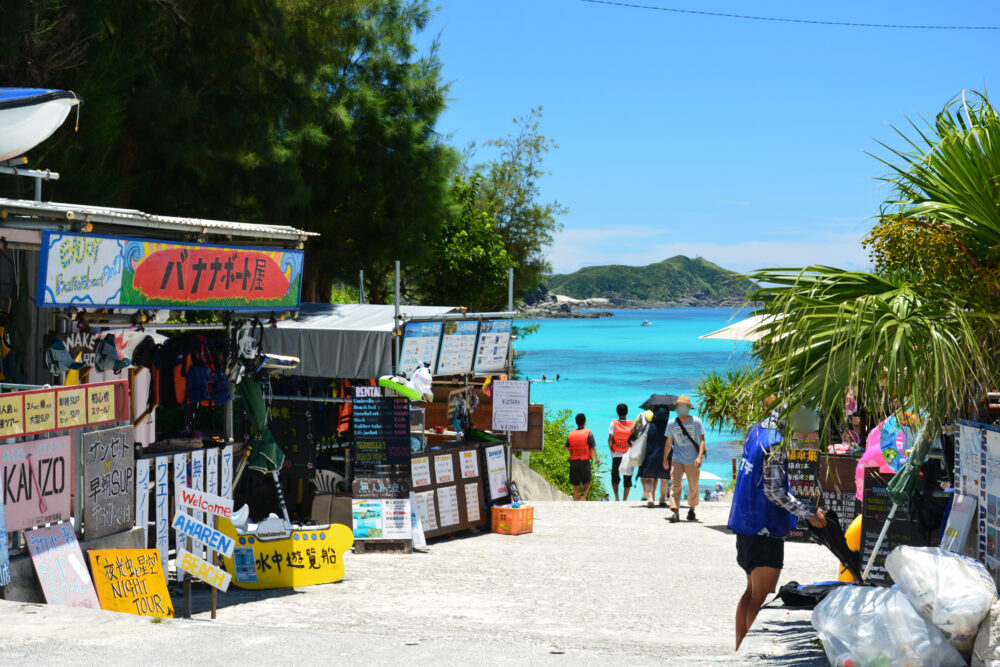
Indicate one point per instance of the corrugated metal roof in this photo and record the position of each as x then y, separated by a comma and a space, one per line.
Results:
82, 213
356, 317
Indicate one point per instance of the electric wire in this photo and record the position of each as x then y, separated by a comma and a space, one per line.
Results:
630, 5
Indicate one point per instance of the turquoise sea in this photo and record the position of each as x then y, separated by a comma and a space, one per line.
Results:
611, 360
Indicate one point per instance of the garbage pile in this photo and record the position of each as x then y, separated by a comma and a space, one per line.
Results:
930, 617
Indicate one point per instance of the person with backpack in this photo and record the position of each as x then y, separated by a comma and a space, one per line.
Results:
686, 441
763, 511
618, 443
582, 448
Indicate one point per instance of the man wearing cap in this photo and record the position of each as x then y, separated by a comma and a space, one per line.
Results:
686, 439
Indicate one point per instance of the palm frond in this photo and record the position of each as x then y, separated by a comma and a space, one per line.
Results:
899, 348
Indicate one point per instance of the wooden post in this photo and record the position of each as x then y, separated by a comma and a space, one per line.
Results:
218, 561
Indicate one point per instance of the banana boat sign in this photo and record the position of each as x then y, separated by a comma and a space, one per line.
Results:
80, 270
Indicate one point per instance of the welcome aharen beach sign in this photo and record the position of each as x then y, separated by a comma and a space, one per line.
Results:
79, 270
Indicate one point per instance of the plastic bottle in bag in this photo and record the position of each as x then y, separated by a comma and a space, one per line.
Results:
864, 626
951, 591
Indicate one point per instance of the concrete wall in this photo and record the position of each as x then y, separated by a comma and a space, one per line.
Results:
24, 585
532, 485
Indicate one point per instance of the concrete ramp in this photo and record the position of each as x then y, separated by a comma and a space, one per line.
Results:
533, 487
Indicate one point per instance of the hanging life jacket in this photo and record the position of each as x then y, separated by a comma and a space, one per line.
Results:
751, 510
619, 439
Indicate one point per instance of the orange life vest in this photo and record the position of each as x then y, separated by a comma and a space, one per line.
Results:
619, 440
579, 444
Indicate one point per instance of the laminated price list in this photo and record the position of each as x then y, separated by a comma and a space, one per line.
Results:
381, 431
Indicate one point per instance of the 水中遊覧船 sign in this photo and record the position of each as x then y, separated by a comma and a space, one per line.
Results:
93, 270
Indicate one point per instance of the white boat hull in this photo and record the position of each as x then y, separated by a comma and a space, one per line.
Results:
24, 127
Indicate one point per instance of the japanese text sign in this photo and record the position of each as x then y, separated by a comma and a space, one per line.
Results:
306, 558
131, 581
59, 564
36, 481
94, 270
46, 410
108, 481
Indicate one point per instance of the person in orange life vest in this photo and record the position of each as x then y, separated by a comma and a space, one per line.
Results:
618, 435
582, 448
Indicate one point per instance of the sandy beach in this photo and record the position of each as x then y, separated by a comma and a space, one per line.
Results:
595, 582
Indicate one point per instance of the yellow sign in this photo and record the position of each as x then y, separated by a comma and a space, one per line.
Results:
40, 411
131, 581
202, 569
100, 404
11, 416
72, 408
305, 558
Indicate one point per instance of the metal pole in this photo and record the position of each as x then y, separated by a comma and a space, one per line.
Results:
395, 331
878, 543
510, 290
361, 286
38, 189
229, 422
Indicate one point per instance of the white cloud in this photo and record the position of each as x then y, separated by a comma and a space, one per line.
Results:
574, 249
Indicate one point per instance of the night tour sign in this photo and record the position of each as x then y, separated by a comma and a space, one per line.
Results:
91, 270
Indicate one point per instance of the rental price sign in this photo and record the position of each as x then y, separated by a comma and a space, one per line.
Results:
107, 271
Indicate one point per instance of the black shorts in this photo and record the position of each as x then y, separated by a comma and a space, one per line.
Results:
753, 551
579, 473
616, 476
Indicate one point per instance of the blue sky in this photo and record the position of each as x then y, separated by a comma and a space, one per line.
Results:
740, 141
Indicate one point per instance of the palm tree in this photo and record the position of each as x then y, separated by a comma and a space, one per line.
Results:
900, 344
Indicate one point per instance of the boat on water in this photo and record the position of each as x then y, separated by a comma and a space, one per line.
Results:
29, 116
647, 323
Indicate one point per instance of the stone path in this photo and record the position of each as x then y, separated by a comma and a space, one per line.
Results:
595, 582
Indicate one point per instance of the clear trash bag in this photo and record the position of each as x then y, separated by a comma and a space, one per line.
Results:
951, 591
864, 626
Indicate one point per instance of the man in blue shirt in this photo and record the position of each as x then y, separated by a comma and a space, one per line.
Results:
763, 511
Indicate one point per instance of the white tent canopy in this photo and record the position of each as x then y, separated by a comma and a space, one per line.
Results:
342, 341
746, 330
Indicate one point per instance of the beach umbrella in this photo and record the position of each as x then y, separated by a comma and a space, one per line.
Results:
748, 329
668, 401
707, 476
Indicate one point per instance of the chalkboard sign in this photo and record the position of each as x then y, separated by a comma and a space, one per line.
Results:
876, 510
108, 481
296, 427
838, 486
381, 430
803, 480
